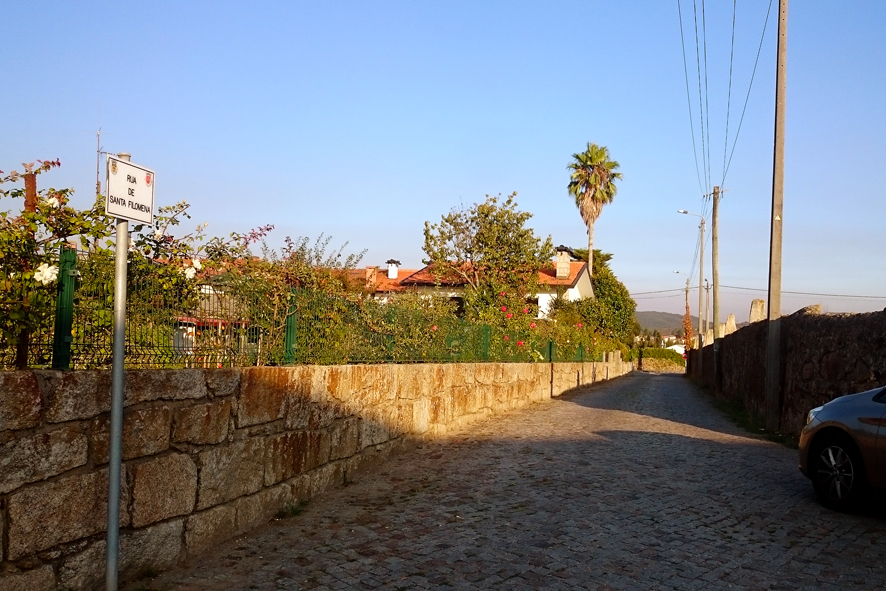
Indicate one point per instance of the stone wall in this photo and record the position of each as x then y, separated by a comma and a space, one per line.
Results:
823, 356
209, 454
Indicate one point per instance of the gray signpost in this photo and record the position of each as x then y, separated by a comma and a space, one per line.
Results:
130, 196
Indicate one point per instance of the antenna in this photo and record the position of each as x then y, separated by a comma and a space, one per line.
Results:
98, 152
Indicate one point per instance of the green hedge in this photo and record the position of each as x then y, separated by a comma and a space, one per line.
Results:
666, 354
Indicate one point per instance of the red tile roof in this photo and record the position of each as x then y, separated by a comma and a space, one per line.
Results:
548, 275
425, 278
380, 281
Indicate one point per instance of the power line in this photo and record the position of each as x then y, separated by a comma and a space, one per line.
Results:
707, 109
753, 73
689, 101
823, 295
704, 168
694, 287
729, 96
661, 291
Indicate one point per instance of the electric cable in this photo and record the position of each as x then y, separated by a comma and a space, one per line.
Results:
704, 167
753, 73
689, 101
729, 96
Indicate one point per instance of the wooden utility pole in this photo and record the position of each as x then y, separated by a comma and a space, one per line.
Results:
773, 339
24, 336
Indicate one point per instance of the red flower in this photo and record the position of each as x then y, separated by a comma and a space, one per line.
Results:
434, 327
578, 325
506, 337
531, 325
526, 310
508, 315
519, 343
502, 293
504, 309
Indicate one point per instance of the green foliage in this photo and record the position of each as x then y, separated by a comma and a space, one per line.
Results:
592, 181
611, 313
29, 244
601, 259
489, 249
666, 354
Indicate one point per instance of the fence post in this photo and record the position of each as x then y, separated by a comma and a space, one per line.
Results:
485, 336
64, 309
290, 332
549, 352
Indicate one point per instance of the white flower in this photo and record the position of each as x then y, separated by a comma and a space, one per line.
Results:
197, 264
46, 274
131, 244
53, 202
189, 272
158, 234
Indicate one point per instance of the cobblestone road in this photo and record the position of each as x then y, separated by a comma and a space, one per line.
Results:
634, 484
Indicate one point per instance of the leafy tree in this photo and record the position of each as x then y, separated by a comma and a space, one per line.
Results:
601, 259
592, 183
611, 313
29, 245
488, 248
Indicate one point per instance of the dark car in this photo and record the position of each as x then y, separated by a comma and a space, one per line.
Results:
843, 448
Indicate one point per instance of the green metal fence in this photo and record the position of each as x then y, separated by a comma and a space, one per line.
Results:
223, 325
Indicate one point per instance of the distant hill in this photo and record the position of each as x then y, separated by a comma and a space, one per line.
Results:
664, 322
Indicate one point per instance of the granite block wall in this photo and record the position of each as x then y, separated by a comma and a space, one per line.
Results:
209, 454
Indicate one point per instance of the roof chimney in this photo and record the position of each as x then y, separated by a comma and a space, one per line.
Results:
563, 258
392, 268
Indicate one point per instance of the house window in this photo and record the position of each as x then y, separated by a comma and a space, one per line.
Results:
459, 306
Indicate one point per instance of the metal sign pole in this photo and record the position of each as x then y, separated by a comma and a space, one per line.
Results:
116, 435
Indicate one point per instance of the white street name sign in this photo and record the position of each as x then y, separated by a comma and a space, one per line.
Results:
130, 191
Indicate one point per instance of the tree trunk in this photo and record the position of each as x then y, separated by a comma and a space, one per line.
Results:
591, 257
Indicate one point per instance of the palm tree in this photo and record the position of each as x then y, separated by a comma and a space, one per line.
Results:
592, 183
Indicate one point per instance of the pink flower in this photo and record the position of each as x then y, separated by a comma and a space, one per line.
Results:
507, 338
578, 325
504, 309
526, 310
502, 293
509, 315
434, 327
531, 325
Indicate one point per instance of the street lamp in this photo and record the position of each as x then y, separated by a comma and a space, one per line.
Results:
700, 271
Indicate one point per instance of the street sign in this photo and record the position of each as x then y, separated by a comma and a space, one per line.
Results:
130, 191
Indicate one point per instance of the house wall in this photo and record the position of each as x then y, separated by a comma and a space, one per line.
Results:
823, 356
209, 454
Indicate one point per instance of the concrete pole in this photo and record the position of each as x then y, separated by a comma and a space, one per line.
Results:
707, 306
700, 281
121, 251
773, 340
715, 261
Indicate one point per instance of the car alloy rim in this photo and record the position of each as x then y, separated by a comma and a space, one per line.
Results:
835, 472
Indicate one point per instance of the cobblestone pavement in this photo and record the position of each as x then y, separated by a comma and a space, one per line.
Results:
634, 484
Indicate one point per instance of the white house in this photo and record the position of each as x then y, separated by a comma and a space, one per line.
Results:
565, 277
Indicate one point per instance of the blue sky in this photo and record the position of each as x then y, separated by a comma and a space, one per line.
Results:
362, 120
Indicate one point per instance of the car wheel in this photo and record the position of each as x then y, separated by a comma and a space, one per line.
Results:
838, 477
